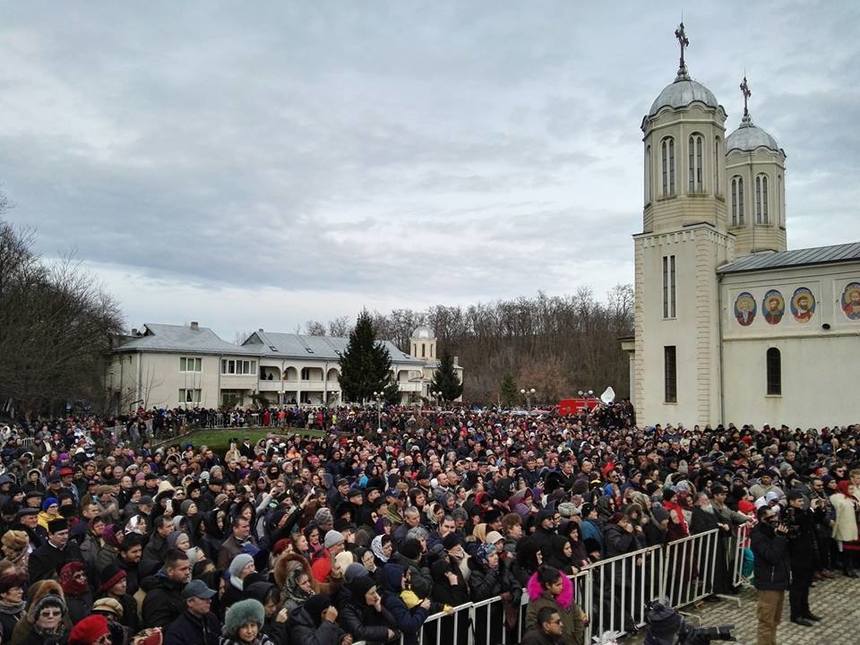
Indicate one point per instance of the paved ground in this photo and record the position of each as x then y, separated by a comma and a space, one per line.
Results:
836, 600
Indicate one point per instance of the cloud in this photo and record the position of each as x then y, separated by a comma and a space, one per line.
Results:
287, 161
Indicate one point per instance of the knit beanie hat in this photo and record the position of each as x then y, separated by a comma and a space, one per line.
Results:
48, 502
332, 538
15, 540
450, 541
89, 630
411, 549
353, 572
238, 563
323, 516
316, 605
111, 575
184, 506
241, 613
361, 586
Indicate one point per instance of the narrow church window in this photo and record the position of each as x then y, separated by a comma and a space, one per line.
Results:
695, 154
667, 158
423, 350
774, 372
647, 174
780, 211
717, 190
737, 201
670, 374
761, 199
669, 299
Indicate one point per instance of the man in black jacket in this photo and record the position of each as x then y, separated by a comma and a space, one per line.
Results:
48, 559
772, 572
197, 625
803, 549
164, 602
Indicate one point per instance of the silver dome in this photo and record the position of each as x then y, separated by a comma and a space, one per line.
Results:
423, 333
682, 93
749, 137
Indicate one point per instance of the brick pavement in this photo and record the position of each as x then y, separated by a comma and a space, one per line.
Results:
837, 601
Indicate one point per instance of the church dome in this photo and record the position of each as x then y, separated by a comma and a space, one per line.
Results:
423, 333
681, 93
749, 137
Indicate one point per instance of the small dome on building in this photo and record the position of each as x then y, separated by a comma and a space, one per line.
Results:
423, 333
681, 93
749, 137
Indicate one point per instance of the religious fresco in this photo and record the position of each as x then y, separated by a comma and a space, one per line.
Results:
802, 305
773, 307
745, 308
851, 300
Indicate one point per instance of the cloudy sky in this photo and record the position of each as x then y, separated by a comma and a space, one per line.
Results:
261, 164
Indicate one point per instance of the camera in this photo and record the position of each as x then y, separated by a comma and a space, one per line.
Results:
664, 623
689, 635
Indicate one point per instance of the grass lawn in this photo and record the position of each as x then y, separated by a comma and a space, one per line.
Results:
219, 439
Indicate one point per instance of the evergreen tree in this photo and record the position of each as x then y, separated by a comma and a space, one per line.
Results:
445, 379
508, 390
366, 364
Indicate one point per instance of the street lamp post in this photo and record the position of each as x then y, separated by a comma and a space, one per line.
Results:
378, 396
437, 394
528, 394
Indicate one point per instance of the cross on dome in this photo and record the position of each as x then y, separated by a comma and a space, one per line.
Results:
745, 90
684, 42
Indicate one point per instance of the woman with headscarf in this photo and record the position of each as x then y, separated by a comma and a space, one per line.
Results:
558, 553
241, 569
363, 614
314, 623
382, 547
845, 526
79, 598
12, 603
578, 554
396, 580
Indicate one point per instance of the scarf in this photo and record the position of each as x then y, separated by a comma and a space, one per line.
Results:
71, 585
12, 608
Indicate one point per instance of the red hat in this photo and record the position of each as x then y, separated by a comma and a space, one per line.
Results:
89, 630
65, 472
280, 546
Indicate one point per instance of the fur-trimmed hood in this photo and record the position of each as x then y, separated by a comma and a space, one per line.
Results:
287, 564
564, 599
241, 613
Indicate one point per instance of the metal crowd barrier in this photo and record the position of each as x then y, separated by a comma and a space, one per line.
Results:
612, 592
739, 546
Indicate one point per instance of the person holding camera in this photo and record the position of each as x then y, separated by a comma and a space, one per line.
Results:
803, 551
769, 543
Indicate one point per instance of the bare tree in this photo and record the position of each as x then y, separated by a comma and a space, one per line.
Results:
340, 327
315, 328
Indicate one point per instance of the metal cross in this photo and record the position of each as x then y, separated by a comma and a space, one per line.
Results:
745, 90
681, 35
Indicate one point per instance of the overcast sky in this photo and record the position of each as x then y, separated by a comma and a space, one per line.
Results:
260, 164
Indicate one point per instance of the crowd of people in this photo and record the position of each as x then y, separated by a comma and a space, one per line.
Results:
363, 533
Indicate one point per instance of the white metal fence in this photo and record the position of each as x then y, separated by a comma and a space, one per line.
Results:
613, 593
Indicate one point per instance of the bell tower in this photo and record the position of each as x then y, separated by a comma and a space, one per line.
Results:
684, 238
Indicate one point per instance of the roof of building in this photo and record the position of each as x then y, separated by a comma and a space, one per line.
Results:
749, 137
319, 347
423, 333
202, 340
681, 93
794, 258
180, 338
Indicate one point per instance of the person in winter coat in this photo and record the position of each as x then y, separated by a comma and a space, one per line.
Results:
772, 572
313, 623
79, 598
196, 625
114, 585
275, 621
845, 527
409, 556
163, 602
90, 631
243, 624
241, 567
407, 619
12, 602
548, 630
548, 587
45, 624
364, 616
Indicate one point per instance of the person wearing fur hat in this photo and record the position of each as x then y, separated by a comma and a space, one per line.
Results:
12, 602
243, 624
91, 630
79, 598
45, 622
16, 551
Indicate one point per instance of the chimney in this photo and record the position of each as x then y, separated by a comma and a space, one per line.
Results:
194, 326
134, 331
261, 331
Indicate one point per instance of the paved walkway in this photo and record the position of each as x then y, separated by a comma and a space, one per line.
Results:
837, 601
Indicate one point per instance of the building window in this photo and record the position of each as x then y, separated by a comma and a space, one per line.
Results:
780, 210
761, 199
737, 201
188, 364
667, 165
717, 187
774, 372
669, 287
189, 396
423, 350
647, 174
670, 374
232, 367
695, 153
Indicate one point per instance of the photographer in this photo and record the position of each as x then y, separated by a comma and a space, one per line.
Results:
769, 544
803, 550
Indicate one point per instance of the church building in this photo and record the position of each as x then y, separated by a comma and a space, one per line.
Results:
730, 326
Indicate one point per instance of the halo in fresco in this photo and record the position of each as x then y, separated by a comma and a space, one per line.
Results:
851, 300
745, 308
773, 307
803, 305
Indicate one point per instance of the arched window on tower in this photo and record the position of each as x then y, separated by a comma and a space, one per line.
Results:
695, 154
648, 174
667, 166
761, 199
780, 207
774, 372
717, 148
737, 200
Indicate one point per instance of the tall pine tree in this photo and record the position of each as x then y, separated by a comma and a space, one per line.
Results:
508, 393
365, 366
445, 379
